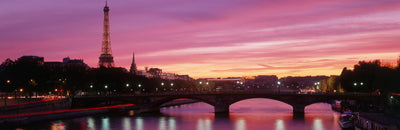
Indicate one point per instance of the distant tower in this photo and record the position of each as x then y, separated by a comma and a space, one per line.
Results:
106, 59
133, 65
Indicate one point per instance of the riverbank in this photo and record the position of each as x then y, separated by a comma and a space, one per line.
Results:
18, 119
16, 101
376, 121
370, 120
24, 118
36, 106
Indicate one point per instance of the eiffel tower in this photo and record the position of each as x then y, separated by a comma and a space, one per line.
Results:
106, 59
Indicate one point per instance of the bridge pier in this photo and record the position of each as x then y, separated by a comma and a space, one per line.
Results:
221, 109
298, 109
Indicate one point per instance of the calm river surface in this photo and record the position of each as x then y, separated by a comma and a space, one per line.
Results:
252, 114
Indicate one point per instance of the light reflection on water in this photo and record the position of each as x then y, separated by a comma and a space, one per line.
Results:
139, 123
204, 124
126, 123
318, 124
105, 123
250, 114
279, 125
240, 124
59, 125
162, 124
90, 122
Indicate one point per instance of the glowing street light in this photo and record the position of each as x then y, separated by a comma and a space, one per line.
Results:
200, 82
127, 85
139, 85
207, 83
105, 86
172, 84
162, 84
21, 90
355, 84
91, 86
8, 81
279, 89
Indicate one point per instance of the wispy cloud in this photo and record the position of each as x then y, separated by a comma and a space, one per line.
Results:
208, 38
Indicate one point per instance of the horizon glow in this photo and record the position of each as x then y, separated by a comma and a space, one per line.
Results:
208, 38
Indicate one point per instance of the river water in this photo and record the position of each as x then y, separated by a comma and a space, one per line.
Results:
251, 114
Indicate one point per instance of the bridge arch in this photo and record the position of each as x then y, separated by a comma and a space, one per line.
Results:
249, 98
155, 103
297, 102
317, 109
263, 103
159, 102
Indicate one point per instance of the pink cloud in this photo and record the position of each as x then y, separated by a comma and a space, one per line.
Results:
226, 35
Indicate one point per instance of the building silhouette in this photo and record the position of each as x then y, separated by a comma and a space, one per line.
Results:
155, 72
31, 59
106, 59
66, 62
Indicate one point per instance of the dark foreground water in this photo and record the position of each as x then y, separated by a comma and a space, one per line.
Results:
252, 114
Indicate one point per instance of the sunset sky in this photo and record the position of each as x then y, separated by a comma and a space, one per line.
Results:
208, 38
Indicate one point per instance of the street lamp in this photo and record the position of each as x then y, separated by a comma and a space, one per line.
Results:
317, 86
200, 82
8, 81
127, 85
105, 86
33, 83
172, 84
279, 89
139, 85
91, 86
162, 84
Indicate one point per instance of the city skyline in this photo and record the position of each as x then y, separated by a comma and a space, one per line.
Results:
208, 38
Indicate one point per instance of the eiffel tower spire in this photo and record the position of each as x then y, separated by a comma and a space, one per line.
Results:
106, 59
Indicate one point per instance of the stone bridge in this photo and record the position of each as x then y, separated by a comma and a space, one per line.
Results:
222, 101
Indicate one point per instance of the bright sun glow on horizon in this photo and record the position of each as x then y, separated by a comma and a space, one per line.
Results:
208, 38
